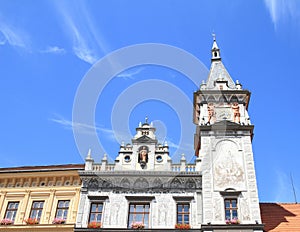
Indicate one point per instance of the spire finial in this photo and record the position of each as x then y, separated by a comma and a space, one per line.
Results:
146, 119
214, 36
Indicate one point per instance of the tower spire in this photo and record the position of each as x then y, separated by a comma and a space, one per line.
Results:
215, 51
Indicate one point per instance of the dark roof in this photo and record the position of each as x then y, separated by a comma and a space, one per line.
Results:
60, 167
283, 217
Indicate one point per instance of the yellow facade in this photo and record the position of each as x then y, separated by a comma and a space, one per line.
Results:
49, 185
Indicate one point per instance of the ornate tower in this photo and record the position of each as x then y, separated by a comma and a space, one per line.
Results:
223, 143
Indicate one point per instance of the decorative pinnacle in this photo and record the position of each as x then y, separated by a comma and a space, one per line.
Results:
89, 154
146, 119
182, 156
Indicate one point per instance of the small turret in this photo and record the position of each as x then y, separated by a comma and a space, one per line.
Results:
215, 51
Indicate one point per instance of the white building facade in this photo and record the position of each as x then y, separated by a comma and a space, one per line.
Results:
143, 189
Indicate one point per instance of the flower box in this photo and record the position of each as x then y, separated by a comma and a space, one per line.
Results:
31, 221
182, 226
59, 221
232, 221
6, 221
94, 225
137, 225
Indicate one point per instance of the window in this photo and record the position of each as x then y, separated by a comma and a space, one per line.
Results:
62, 209
96, 212
11, 210
36, 210
138, 212
183, 213
231, 210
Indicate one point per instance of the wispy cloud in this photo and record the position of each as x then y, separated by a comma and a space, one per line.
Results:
130, 73
85, 128
283, 10
54, 50
13, 36
85, 39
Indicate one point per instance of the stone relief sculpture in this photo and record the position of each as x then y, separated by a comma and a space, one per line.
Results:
236, 112
125, 183
93, 184
114, 214
165, 212
228, 172
245, 210
211, 112
228, 168
141, 183
190, 184
217, 210
157, 183
176, 183
162, 214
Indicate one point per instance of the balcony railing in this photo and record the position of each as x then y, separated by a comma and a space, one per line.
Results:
98, 167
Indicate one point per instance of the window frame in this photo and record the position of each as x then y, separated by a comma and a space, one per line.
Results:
39, 210
231, 208
64, 209
139, 203
14, 211
183, 213
184, 200
90, 211
231, 194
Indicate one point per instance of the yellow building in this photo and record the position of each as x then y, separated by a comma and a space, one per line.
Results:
39, 198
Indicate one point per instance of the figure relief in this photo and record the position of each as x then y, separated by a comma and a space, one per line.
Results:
141, 184
236, 112
228, 172
211, 112
93, 184
162, 214
217, 210
114, 214
245, 210
143, 156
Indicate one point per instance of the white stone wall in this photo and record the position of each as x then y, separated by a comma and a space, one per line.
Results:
163, 212
227, 163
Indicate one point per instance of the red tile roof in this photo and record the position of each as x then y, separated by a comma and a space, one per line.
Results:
63, 167
283, 217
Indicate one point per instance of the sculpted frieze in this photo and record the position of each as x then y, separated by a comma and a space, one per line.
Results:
138, 184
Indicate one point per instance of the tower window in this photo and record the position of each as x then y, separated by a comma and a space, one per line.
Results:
215, 54
231, 209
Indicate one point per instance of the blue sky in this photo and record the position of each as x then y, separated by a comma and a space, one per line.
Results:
48, 47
